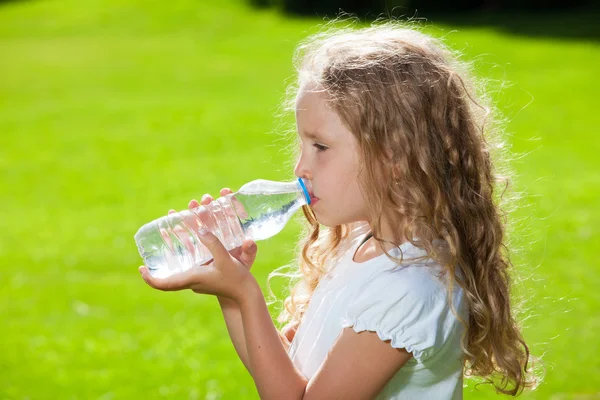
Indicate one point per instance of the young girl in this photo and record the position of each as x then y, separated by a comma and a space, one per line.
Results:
405, 275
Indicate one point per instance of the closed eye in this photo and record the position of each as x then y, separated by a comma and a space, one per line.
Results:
320, 147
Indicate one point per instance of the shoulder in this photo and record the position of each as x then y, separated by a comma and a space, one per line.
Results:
418, 275
408, 306
416, 281
405, 291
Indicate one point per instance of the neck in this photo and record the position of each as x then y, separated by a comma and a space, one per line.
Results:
392, 231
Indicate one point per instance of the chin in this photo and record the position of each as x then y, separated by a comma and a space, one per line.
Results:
328, 222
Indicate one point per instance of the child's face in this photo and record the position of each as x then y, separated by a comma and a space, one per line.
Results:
333, 171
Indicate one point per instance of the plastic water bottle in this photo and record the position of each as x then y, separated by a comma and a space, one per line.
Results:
258, 210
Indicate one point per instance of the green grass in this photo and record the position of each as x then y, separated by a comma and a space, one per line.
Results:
113, 113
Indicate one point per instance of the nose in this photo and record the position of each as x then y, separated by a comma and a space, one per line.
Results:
301, 171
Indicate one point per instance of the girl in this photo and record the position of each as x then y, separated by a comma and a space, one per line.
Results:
405, 281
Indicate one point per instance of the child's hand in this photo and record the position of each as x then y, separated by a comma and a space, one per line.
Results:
207, 198
213, 277
184, 235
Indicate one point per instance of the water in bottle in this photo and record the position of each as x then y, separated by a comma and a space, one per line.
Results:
258, 210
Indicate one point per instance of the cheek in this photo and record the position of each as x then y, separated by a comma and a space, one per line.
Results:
351, 190
343, 188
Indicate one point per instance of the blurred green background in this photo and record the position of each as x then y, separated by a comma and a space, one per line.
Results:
113, 112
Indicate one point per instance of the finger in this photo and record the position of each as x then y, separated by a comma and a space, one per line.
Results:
239, 208
202, 215
167, 238
249, 251
192, 225
177, 233
207, 198
181, 231
206, 263
214, 245
177, 230
172, 283
146, 276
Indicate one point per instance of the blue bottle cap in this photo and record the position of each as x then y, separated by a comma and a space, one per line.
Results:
306, 194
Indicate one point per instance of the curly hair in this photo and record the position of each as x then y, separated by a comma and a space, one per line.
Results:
405, 94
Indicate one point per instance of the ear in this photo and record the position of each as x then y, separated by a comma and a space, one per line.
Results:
388, 154
390, 159
396, 171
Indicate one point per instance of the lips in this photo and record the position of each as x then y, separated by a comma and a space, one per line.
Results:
309, 189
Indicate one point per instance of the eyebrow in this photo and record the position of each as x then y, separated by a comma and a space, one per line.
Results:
312, 135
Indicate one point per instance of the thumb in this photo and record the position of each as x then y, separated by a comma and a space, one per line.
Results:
249, 250
214, 245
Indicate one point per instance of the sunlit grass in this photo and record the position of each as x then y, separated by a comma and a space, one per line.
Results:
113, 113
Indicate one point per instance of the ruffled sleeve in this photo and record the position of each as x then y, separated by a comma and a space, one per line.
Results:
405, 306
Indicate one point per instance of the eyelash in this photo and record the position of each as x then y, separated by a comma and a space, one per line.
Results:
320, 148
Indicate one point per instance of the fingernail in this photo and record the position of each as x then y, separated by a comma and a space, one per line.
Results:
202, 231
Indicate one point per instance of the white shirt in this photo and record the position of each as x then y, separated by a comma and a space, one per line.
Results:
405, 304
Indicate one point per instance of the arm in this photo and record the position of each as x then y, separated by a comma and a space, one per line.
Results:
233, 320
230, 308
274, 374
340, 376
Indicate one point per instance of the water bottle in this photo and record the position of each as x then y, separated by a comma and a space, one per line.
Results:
258, 210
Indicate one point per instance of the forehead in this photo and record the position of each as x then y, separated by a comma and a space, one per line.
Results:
309, 101
314, 116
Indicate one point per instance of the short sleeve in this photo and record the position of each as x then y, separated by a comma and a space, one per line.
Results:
406, 307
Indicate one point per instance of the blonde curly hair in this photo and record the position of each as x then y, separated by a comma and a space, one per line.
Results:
403, 92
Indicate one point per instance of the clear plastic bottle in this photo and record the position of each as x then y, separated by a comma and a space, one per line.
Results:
258, 210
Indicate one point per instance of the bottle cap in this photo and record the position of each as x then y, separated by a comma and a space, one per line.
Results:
303, 184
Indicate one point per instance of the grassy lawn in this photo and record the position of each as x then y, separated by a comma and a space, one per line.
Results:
113, 113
